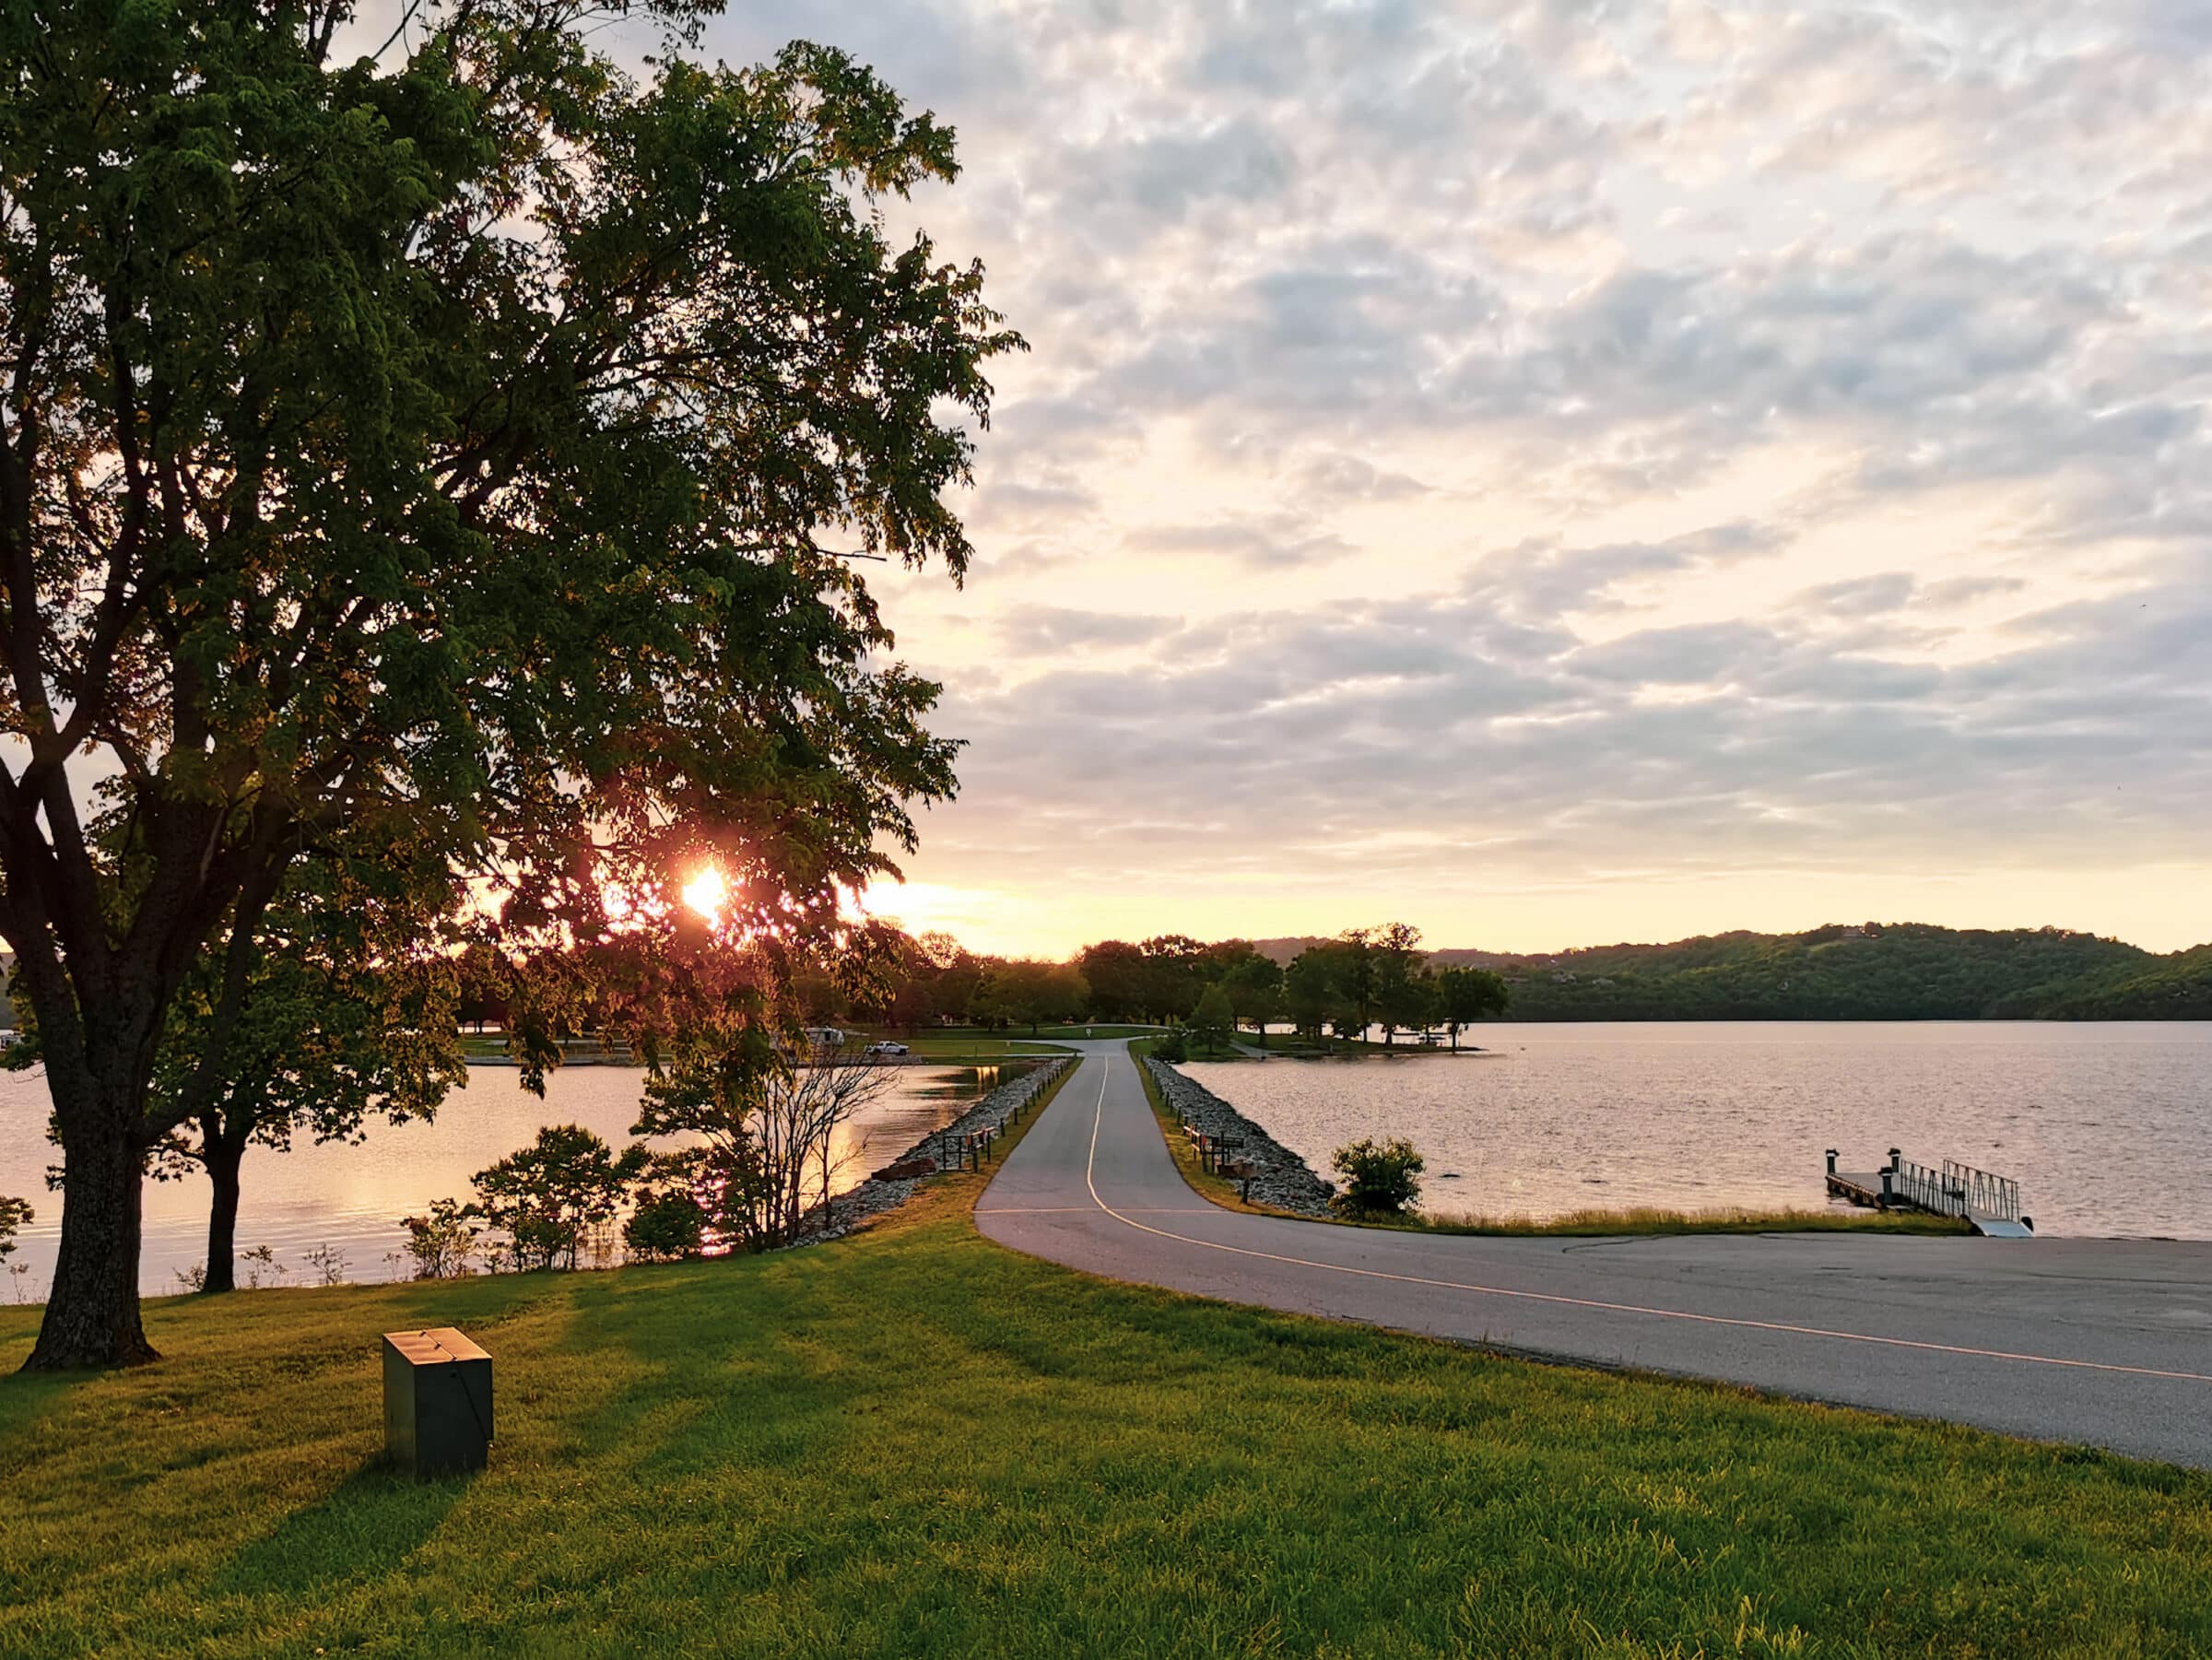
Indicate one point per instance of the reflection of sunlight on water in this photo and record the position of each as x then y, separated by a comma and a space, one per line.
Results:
352, 1197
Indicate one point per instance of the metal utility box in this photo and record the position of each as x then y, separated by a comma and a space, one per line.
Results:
437, 1401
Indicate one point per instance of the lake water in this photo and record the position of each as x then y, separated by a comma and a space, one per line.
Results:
2107, 1127
351, 1197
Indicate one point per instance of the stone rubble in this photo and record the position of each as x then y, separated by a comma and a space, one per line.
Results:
878, 1194
1285, 1180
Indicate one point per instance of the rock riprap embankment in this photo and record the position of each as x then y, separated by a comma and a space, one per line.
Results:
894, 1185
1283, 1179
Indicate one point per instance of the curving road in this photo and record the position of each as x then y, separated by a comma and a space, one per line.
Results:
2102, 1341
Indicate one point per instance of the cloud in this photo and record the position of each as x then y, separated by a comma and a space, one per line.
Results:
1570, 438
1035, 631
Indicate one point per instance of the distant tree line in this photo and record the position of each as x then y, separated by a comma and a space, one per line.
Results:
1864, 972
1342, 987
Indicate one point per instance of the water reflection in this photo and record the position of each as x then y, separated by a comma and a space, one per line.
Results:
350, 1198
2107, 1126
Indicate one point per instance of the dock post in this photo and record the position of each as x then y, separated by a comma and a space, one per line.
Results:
1832, 1161
1896, 1158
1887, 1176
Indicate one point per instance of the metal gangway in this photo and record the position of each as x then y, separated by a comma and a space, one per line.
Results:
1991, 1204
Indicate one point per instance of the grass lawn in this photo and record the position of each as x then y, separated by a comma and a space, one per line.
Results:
1097, 1030
915, 1443
965, 1045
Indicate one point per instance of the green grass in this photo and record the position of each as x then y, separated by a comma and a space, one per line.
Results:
1203, 1182
970, 1046
915, 1443
1097, 1030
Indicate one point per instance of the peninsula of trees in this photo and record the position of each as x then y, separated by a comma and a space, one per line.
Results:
1382, 978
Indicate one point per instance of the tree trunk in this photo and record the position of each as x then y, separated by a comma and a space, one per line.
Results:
92, 1309
222, 1158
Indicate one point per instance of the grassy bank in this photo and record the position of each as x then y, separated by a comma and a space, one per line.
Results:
914, 1442
1203, 1182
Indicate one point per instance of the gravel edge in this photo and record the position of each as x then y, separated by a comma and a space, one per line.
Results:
874, 1196
1283, 1180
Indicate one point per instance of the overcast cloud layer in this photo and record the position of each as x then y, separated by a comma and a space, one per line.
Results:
1572, 472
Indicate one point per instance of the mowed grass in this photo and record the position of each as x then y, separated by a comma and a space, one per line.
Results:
915, 1443
970, 1046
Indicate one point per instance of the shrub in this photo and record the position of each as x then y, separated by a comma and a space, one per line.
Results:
665, 1227
1380, 1178
329, 1263
1171, 1045
439, 1243
553, 1198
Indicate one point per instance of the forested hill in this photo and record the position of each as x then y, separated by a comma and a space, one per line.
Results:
1879, 971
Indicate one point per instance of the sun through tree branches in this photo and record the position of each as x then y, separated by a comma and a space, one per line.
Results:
458, 445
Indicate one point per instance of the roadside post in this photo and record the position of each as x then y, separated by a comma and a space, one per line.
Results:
437, 1401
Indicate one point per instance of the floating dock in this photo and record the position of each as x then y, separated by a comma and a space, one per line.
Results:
1990, 1205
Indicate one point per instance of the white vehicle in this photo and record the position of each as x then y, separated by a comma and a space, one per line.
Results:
889, 1048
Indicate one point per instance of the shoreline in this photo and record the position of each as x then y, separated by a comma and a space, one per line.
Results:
1283, 1180
877, 1194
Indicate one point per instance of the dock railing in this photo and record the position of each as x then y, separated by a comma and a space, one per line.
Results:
1984, 1193
1955, 1189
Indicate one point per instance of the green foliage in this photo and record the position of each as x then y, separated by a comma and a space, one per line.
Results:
1024, 992
549, 1197
1381, 1179
456, 446
1214, 1021
441, 1241
760, 1114
15, 1215
1171, 1045
1877, 972
758, 1457
1254, 986
666, 1225
1465, 996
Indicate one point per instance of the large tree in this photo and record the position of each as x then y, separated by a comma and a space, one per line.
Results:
467, 436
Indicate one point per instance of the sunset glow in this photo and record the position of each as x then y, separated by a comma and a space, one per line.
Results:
707, 893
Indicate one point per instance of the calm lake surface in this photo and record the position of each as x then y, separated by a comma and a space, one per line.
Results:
352, 1197
2107, 1127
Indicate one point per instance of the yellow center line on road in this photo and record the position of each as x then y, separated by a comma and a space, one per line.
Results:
1098, 1117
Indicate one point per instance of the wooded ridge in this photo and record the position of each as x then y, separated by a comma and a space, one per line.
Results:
1848, 971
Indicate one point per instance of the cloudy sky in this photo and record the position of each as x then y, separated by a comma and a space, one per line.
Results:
1559, 473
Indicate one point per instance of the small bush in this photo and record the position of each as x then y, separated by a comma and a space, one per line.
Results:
1171, 1047
440, 1242
1380, 1178
665, 1227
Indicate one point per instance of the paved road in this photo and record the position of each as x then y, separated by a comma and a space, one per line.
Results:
2102, 1341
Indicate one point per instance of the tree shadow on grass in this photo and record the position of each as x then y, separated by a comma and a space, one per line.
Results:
362, 1530
27, 1398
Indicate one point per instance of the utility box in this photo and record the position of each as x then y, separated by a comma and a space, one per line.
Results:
437, 1401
